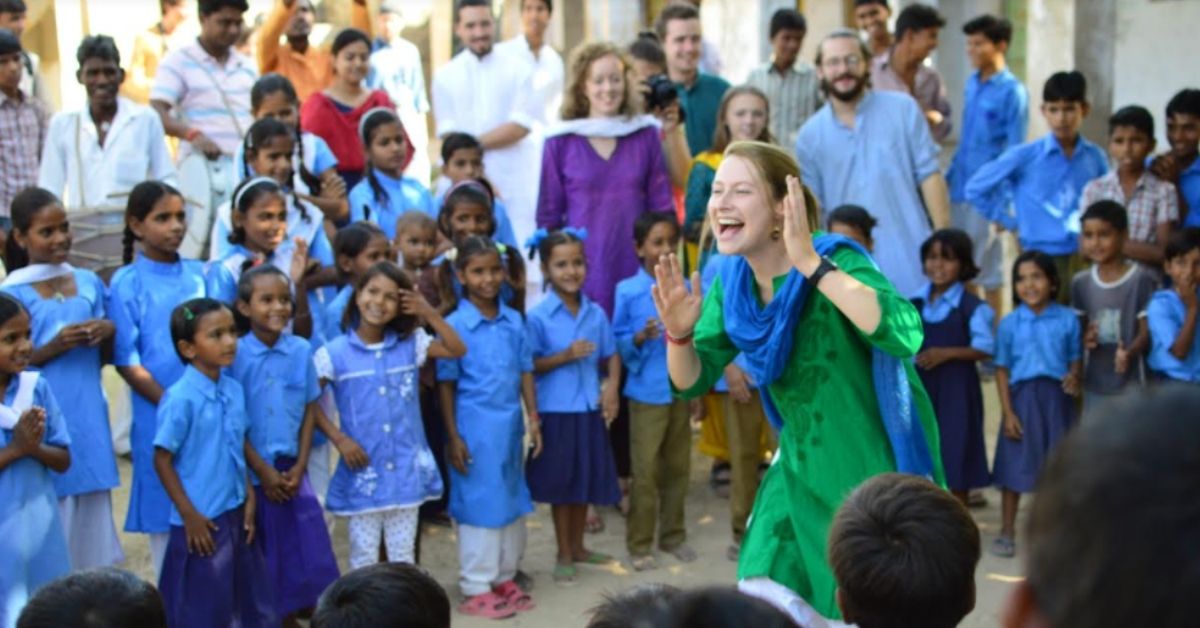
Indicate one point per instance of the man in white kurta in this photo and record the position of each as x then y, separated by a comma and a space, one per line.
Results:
483, 92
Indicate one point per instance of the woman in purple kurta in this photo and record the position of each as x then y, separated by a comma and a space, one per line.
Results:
601, 168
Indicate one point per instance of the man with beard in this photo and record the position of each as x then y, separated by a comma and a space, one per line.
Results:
94, 157
309, 68
488, 94
873, 149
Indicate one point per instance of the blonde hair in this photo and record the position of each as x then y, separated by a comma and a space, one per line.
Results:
721, 138
771, 166
575, 103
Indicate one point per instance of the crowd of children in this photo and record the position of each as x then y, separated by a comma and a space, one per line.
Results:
388, 322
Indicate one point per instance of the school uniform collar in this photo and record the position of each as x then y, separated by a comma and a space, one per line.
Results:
1003, 76
1026, 315
192, 379
952, 296
156, 267
555, 303
1050, 145
254, 347
389, 339
473, 318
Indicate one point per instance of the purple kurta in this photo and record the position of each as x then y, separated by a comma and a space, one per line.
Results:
579, 189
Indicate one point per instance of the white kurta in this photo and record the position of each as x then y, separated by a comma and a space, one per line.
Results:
85, 174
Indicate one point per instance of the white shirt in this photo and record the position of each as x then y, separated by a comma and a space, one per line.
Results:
548, 74
86, 174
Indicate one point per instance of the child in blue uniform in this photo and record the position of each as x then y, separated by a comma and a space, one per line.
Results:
357, 248
462, 160
569, 337
1038, 367
1173, 312
958, 334
33, 443
385, 191
276, 371
141, 297
373, 371
213, 573
66, 305
481, 396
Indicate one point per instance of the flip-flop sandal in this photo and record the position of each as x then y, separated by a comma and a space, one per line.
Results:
488, 605
595, 558
516, 598
1004, 547
524, 580
565, 574
645, 562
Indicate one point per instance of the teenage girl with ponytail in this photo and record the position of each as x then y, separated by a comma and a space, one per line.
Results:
141, 297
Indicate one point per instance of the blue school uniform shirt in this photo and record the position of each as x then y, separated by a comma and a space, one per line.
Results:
1165, 315
504, 229
141, 298
995, 116
280, 381
310, 227
203, 424
1033, 345
222, 275
488, 414
551, 328
376, 391
1189, 189
1044, 186
335, 309
32, 543
646, 366
980, 325
403, 194
74, 377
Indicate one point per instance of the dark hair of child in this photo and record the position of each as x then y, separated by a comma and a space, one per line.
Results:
1186, 101
1065, 87
882, 3
25, 205
208, 7
469, 249
957, 245
646, 222
272, 83
386, 595
916, 18
1045, 263
1111, 212
9, 307
722, 607
1134, 116
787, 20
904, 552
458, 141
98, 47
9, 43
545, 248
1112, 529
367, 127
245, 291
855, 216
473, 191
185, 320
12, 6
99, 598
403, 324
355, 237
997, 30
248, 193
647, 47
643, 605
1181, 243
260, 134
142, 200
346, 37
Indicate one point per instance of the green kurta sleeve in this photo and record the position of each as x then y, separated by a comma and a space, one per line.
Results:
900, 332
715, 349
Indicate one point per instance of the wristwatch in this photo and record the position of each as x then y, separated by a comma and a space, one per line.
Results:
825, 267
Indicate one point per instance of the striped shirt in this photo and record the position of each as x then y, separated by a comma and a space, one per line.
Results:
1154, 202
212, 98
793, 95
22, 134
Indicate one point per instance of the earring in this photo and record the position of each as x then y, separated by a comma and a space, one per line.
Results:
776, 232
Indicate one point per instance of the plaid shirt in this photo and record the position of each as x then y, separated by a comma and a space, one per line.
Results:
22, 135
1154, 202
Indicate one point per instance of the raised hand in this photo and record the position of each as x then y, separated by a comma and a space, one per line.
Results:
413, 303
797, 233
299, 265
678, 309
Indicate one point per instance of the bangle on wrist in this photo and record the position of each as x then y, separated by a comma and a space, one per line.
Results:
191, 134
679, 340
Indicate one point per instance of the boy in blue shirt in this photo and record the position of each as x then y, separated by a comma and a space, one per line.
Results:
1044, 178
995, 115
1172, 313
1180, 166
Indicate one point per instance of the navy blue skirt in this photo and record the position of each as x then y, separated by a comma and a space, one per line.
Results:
1046, 413
576, 465
230, 588
296, 546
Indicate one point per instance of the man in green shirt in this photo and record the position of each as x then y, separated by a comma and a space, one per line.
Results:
700, 94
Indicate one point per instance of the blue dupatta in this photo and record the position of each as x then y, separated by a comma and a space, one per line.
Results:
765, 336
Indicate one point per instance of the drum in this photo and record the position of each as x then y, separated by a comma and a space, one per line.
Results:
205, 185
98, 236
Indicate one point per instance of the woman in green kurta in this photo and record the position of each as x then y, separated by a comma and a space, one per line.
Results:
840, 324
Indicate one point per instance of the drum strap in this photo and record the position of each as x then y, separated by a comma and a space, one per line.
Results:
220, 90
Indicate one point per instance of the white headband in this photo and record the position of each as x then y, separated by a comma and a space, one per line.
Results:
362, 122
247, 185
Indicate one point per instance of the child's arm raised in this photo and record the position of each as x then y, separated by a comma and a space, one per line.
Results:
28, 434
197, 527
456, 450
529, 396
447, 345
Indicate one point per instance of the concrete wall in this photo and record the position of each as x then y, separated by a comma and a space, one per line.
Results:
1156, 49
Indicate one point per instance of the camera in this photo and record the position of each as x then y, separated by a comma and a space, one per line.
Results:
661, 93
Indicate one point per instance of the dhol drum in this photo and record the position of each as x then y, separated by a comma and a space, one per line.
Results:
98, 235
205, 185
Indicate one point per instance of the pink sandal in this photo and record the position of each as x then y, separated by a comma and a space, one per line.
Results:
514, 596
488, 605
